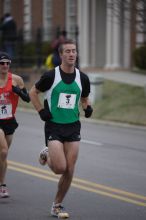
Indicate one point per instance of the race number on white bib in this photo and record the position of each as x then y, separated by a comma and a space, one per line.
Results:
67, 101
5, 111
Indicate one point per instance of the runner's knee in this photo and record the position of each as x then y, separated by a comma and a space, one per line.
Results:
59, 169
3, 154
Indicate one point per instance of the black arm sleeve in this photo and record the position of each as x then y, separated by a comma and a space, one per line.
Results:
22, 93
85, 85
46, 81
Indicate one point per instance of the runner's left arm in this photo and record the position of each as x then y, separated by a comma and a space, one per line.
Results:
19, 88
86, 105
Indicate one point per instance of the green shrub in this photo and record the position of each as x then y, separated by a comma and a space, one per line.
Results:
139, 57
46, 48
30, 53
31, 48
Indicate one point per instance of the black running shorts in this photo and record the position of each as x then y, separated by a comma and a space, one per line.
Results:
8, 125
62, 132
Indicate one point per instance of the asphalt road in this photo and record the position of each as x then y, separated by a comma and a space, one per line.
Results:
109, 181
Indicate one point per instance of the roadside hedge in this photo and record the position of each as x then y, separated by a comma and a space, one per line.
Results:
139, 57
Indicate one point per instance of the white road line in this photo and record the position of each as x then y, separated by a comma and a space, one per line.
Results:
91, 142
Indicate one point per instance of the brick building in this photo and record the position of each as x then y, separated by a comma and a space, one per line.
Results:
106, 39
33, 14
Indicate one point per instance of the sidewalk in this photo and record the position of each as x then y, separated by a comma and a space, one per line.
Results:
128, 77
131, 78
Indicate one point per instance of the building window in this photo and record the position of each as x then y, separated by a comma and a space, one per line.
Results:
71, 18
47, 20
27, 20
7, 6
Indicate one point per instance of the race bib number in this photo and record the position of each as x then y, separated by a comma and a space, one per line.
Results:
67, 101
5, 111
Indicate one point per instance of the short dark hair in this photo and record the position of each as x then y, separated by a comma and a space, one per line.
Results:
67, 41
7, 15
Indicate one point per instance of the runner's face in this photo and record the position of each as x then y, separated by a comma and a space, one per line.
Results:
4, 67
69, 54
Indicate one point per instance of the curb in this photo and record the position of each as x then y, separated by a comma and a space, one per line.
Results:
115, 124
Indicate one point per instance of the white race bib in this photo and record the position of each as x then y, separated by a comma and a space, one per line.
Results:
67, 101
5, 111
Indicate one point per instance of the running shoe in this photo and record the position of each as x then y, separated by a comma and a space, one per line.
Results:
4, 191
58, 211
43, 156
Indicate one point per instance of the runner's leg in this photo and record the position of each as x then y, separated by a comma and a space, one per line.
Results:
71, 153
5, 142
